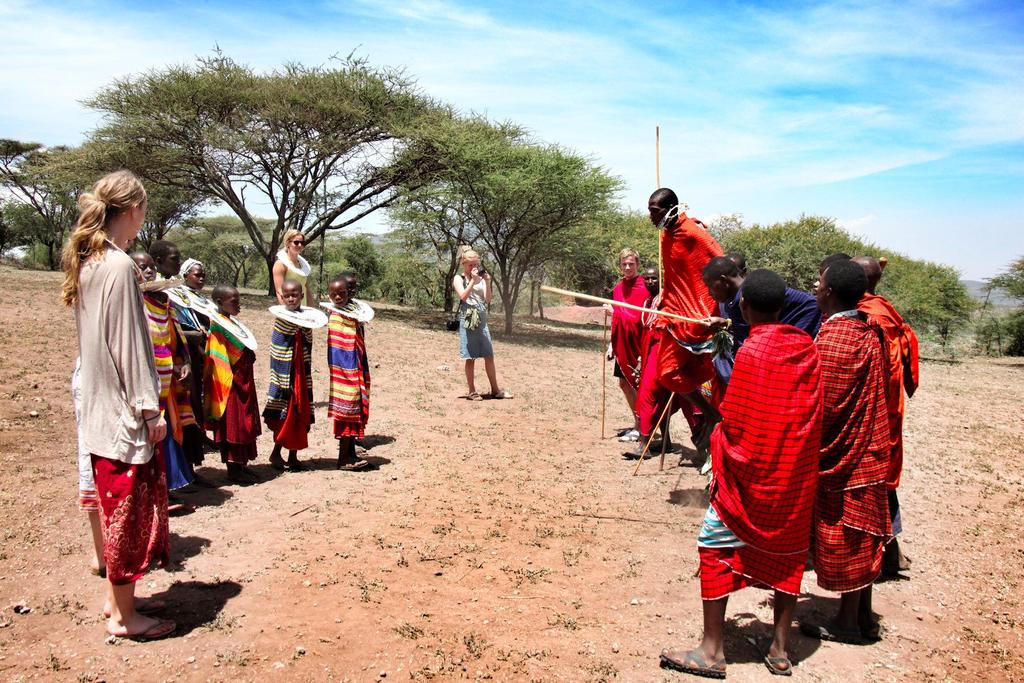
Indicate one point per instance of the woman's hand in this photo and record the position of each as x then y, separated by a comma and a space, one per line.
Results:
476, 275
156, 427
181, 372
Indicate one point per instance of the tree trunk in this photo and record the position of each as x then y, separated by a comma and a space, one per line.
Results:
540, 301
50, 262
271, 258
533, 290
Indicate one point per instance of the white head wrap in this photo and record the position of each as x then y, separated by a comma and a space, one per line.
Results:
188, 265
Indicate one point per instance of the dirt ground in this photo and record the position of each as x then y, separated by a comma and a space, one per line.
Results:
498, 540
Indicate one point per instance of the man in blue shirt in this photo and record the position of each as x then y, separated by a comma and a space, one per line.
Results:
724, 280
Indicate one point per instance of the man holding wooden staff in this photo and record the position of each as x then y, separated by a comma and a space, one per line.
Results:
684, 356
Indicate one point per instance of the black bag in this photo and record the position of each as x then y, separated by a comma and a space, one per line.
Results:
452, 323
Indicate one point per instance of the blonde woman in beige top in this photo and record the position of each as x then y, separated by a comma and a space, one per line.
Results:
120, 419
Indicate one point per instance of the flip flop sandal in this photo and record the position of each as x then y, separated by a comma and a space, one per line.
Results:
831, 633
692, 662
354, 466
502, 394
780, 666
160, 629
475, 397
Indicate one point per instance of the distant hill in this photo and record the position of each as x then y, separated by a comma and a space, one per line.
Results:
999, 297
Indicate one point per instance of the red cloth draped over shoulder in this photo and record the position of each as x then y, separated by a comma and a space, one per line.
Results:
855, 434
293, 431
765, 450
627, 330
902, 350
685, 249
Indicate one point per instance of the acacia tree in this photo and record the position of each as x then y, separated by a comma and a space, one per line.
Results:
322, 147
27, 172
435, 219
517, 195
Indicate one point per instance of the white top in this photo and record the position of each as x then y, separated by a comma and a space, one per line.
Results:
477, 293
298, 273
118, 377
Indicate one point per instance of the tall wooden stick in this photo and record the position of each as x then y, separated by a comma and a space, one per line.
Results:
604, 371
664, 435
623, 304
657, 156
651, 437
657, 180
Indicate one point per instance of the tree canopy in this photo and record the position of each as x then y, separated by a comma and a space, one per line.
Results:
322, 147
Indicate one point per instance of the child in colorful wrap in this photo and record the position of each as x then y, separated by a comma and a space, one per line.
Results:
289, 408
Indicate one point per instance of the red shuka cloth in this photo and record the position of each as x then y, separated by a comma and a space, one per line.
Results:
686, 248
238, 429
852, 511
133, 508
902, 350
293, 431
652, 396
627, 330
765, 453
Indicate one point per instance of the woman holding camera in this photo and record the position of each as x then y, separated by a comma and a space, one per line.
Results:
473, 285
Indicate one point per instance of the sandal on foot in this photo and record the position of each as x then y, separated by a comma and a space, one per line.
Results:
501, 393
353, 466
160, 629
474, 396
780, 666
692, 662
98, 571
296, 467
277, 464
832, 633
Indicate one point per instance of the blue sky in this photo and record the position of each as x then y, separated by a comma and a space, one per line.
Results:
902, 120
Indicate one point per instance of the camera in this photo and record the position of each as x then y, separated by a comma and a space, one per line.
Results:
480, 270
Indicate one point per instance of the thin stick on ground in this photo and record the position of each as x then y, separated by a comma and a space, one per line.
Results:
651, 437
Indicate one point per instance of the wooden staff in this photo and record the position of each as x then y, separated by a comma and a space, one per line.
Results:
656, 428
604, 371
623, 304
664, 436
657, 180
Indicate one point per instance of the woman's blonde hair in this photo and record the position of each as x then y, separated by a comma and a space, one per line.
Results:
112, 194
289, 235
468, 254
628, 251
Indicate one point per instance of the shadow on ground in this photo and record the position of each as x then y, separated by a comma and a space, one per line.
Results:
195, 604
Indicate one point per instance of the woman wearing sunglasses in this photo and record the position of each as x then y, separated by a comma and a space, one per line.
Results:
291, 266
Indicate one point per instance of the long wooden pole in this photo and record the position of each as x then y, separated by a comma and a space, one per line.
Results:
651, 437
623, 304
657, 156
604, 371
657, 180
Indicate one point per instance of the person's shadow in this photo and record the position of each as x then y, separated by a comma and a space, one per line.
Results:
747, 639
194, 604
183, 548
690, 498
